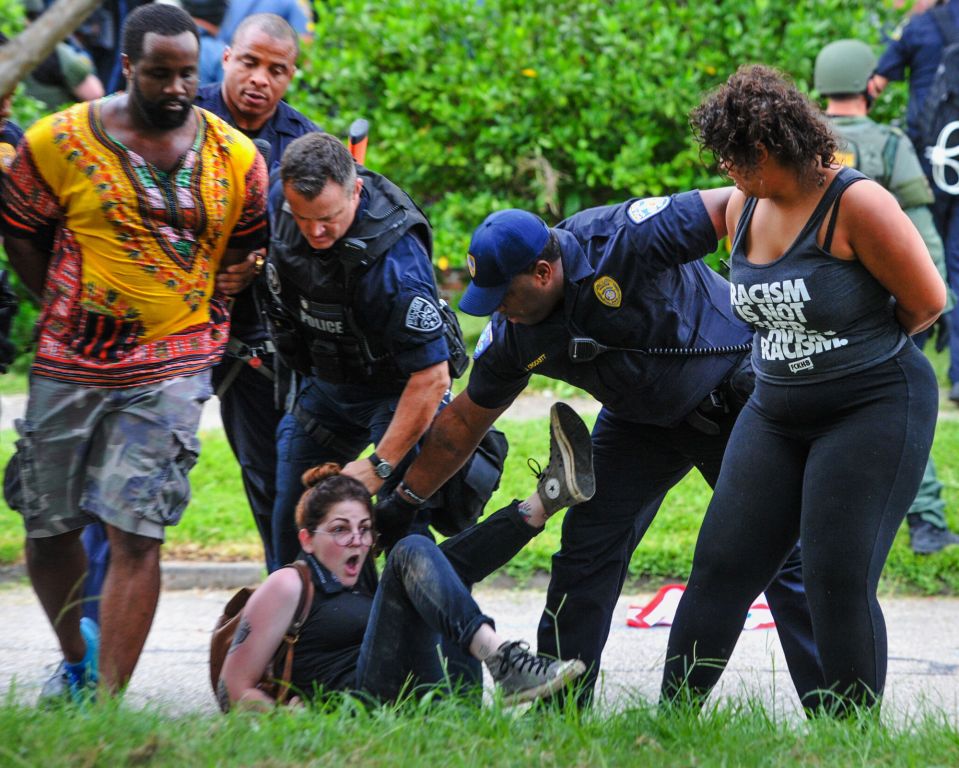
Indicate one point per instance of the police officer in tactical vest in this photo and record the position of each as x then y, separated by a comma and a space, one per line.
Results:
885, 154
354, 309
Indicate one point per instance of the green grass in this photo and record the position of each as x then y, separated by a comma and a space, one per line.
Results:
217, 525
454, 734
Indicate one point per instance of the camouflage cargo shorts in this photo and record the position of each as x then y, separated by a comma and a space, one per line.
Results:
120, 456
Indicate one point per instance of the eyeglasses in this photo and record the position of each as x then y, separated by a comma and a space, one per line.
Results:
344, 536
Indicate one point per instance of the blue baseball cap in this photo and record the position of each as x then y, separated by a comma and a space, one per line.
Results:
503, 246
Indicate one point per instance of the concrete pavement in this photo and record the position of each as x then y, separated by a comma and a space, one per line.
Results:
173, 673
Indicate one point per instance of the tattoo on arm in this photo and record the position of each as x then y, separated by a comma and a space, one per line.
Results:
242, 633
222, 696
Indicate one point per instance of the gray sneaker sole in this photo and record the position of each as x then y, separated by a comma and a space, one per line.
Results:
571, 432
568, 671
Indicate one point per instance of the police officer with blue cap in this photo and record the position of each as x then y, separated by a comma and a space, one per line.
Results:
615, 300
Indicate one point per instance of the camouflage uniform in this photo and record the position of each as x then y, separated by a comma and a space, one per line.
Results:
886, 155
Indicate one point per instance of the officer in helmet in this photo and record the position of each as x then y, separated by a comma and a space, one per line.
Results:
885, 154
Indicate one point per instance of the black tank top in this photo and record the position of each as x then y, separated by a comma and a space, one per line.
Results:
815, 317
329, 646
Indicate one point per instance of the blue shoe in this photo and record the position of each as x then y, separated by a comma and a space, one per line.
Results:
75, 682
91, 659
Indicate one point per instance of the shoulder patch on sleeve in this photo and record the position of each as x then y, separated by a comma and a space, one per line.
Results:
422, 316
646, 208
484, 341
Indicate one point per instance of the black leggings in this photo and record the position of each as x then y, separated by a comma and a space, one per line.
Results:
835, 464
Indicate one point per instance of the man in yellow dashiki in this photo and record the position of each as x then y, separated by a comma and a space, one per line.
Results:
119, 213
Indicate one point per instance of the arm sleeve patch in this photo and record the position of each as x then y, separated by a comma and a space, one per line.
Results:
646, 208
422, 316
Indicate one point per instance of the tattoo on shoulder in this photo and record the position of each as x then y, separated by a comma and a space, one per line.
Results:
222, 696
242, 633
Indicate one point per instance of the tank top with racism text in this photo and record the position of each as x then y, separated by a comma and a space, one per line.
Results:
815, 317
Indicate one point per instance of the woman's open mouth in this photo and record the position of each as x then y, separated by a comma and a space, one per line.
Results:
352, 565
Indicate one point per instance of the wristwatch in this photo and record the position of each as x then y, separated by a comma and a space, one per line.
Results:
383, 469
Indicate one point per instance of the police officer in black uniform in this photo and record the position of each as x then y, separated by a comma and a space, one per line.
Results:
617, 301
354, 309
258, 69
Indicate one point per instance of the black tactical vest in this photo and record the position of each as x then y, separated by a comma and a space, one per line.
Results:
310, 293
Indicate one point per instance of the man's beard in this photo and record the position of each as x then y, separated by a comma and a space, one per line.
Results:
154, 112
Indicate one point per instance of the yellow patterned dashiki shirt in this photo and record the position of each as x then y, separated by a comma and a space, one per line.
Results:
128, 297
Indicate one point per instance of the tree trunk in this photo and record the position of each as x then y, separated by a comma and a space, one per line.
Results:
23, 53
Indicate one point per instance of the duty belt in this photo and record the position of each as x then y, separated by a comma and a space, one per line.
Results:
703, 416
246, 354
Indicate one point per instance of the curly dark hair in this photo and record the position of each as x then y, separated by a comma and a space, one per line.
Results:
326, 487
760, 105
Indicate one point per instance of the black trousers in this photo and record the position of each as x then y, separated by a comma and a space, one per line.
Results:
635, 465
835, 464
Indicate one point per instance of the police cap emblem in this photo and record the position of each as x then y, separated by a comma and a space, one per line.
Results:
645, 208
608, 291
422, 316
471, 264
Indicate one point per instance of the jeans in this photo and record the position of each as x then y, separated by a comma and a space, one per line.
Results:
835, 463
635, 466
423, 597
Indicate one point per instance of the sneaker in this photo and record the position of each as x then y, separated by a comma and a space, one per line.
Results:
523, 676
925, 538
568, 478
75, 682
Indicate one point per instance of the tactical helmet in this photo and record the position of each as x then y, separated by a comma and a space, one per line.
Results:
844, 66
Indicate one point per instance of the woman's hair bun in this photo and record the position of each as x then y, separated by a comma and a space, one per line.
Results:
317, 474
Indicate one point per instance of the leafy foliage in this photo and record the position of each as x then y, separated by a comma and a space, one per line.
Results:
552, 106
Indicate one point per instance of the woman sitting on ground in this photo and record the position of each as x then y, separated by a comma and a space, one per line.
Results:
382, 640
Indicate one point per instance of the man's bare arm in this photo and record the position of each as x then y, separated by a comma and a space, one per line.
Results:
29, 262
455, 433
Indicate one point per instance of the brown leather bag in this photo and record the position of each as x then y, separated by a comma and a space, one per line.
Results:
273, 684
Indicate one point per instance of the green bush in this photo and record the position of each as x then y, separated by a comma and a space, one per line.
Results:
26, 110
553, 106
